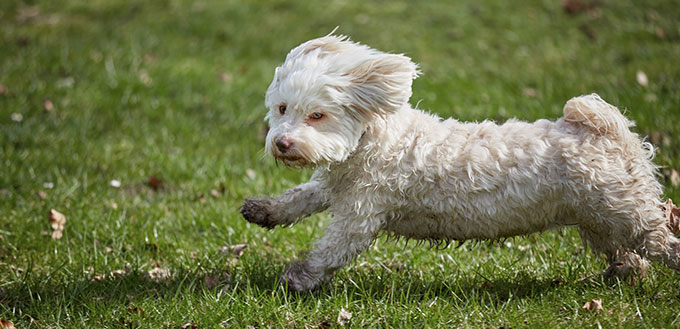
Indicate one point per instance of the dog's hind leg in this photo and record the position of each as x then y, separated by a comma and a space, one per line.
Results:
624, 262
288, 208
661, 245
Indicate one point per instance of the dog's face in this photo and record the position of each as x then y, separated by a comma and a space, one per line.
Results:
326, 93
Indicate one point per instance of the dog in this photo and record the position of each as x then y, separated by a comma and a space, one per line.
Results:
382, 166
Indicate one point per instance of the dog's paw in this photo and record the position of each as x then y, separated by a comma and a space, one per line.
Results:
257, 211
300, 278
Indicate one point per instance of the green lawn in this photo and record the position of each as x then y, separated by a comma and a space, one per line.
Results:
101, 90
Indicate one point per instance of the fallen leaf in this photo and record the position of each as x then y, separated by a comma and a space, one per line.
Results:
3, 90
238, 249
211, 281
5, 324
155, 183
189, 325
215, 193
225, 77
344, 317
593, 305
641, 78
573, 7
112, 204
18, 270
672, 214
57, 220
17, 117
145, 78
42, 195
660, 33
48, 105
158, 274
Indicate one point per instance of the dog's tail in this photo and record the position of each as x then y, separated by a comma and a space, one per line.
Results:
592, 112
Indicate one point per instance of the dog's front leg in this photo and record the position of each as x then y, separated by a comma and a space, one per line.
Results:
344, 240
288, 208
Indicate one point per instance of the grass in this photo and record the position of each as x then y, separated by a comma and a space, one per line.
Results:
174, 90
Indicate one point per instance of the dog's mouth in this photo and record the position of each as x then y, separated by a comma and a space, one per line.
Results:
291, 160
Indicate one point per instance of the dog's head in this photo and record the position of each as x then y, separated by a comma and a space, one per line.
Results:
326, 93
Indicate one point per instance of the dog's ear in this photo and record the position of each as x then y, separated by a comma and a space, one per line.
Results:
381, 84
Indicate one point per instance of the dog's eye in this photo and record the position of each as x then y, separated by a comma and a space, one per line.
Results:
316, 115
282, 108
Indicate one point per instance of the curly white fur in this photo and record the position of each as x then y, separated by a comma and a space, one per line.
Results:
383, 166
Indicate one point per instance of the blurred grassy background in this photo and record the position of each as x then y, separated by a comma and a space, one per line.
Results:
95, 91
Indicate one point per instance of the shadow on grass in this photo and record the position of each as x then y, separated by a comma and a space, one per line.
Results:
255, 278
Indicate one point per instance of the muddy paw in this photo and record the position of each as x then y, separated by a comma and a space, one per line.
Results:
258, 211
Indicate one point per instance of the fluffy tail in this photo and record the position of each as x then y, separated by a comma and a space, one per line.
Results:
592, 112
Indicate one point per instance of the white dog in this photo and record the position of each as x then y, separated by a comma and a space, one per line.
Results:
382, 166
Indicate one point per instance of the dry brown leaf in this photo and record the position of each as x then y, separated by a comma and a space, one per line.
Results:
48, 105
57, 221
158, 274
42, 195
672, 214
189, 325
215, 193
225, 77
3, 89
18, 270
660, 33
238, 249
593, 305
211, 281
5, 324
145, 78
155, 183
573, 7
344, 317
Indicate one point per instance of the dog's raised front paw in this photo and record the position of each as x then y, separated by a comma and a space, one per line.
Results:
300, 278
258, 211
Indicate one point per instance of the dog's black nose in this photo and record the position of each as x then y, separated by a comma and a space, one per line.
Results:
284, 144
